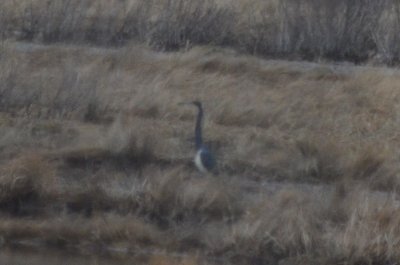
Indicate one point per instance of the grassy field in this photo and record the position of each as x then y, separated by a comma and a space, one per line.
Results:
96, 156
359, 31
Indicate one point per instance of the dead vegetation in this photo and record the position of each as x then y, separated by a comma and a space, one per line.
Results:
357, 31
96, 156
25, 181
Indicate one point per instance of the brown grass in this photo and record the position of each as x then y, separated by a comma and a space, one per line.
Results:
96, 155
24, 181
341, 30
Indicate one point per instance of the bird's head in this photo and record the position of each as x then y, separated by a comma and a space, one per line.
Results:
197, 103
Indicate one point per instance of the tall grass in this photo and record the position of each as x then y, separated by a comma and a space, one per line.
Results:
357, 30
96, 155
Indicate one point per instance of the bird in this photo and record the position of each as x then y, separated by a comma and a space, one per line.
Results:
204, 159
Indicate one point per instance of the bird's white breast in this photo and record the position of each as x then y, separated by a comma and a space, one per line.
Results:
199, 164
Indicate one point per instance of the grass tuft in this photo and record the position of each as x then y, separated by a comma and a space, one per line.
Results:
173, 196
26, 179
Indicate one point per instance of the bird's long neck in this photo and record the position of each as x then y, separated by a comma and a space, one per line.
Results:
197, 131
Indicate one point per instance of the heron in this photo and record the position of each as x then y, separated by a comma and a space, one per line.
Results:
204, 159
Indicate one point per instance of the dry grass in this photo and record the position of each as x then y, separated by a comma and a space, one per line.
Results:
96, 155
356, 31
25, 181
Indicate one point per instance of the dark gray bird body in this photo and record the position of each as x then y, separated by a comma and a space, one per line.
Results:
204, 159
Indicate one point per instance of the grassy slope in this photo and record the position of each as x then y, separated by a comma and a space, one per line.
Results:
96, 155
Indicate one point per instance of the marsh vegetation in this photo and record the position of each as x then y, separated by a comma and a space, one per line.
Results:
356, 30
96, 154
